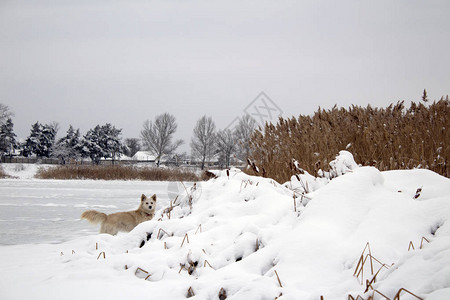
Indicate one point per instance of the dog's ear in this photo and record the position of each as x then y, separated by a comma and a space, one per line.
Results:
154, 197
143, 197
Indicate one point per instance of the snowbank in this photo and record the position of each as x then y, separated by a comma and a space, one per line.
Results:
343, 163
248, 238
22, 171
304, 183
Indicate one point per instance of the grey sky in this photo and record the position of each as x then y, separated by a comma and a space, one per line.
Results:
90, 62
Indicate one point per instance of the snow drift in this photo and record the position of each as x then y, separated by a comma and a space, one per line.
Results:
244, 237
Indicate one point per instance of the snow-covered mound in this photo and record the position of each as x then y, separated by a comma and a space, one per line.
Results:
23, 171
304, 183
343, 163
245, 237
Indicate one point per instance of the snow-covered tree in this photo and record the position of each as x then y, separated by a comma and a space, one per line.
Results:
40, 141
157, 136
69, 146
47, 139
102, 142
111, 141
32, 141
7, 138
203, 140
92, 145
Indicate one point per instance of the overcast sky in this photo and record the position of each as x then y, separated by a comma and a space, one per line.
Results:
91, 62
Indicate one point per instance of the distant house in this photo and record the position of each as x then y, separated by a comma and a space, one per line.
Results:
117, 157
144, 156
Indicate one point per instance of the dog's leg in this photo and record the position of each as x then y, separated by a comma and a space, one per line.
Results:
109, 229
103, 228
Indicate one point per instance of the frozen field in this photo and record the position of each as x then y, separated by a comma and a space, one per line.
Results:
48, 211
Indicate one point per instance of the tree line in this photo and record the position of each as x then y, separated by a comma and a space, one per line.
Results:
105, 142
99, 142
395, 137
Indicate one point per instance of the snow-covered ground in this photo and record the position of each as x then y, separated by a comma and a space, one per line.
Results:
22, 171
238, 235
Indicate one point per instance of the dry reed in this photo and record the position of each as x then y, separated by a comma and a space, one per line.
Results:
389, 138
186, 238
190, 293
278, 278
222, 294
116, 172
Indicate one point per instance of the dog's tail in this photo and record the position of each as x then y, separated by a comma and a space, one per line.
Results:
94, 216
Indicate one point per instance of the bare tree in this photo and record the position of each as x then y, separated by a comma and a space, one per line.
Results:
55, 126
202, 142
244, 130
132, 146
226, 144
5, 113
157, 136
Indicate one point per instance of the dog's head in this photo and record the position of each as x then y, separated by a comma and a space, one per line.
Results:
148, 204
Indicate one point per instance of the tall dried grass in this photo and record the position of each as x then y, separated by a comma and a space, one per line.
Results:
388, 138
116, 172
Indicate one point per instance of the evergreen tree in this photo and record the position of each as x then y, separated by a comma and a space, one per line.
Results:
111, 142
7, 138
47, 139
69, 146
40, 141
91, 145
31, 143
102, 142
